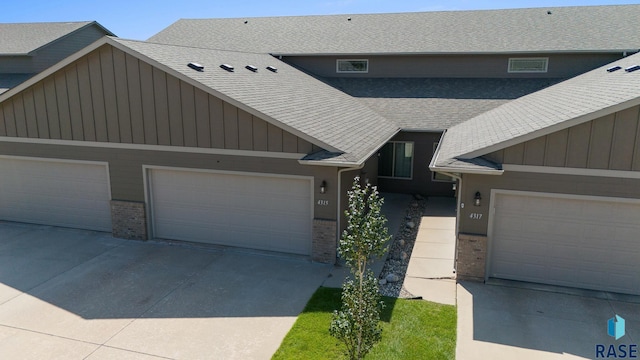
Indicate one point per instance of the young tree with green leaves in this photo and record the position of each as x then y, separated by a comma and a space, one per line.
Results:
357, 322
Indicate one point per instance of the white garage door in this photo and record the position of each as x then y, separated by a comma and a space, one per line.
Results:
584, 242
67, 194
259, 212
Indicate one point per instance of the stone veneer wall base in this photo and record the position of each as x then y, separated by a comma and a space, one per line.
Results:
128, 220
324, 246
472, 257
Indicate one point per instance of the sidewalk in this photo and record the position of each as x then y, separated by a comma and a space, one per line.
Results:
431, 272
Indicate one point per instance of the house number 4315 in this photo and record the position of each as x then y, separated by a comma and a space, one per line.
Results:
475, 216
323, 202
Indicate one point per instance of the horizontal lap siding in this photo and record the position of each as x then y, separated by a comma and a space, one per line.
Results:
110, 96
611, 142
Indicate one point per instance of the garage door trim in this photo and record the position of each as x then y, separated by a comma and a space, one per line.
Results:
146, 173
497, 192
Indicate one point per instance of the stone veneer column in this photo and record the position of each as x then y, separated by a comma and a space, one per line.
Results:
128, 220
472, 257
324, 246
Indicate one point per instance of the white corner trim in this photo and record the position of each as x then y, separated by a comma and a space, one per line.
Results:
573, 171
167, 148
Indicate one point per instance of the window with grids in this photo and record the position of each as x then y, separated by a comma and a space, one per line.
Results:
528, 65
352, 66
395, 160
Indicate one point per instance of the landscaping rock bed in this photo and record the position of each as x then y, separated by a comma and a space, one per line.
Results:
391, 278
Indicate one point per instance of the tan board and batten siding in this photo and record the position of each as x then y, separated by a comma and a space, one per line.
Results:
604, 143
108, 96
607, 143
89, 100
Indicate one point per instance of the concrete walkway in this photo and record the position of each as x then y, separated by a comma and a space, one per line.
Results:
431, 268
430, 273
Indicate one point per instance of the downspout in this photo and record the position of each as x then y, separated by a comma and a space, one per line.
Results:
458, 196
458, 208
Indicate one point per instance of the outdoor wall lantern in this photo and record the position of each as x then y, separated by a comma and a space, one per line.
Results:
323, 187
477, 198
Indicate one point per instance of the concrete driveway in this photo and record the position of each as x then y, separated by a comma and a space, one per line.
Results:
506, 322
73, 294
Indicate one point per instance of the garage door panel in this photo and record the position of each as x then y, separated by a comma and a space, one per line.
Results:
55, 193
261, 212
590, 243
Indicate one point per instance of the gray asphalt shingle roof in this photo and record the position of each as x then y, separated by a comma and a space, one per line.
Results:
435, 103
23, 38
289, 98
565, 29
7, 81
580, 99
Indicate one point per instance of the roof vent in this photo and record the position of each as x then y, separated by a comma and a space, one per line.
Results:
549, 12
632, 68
272, 69
227, 67
251, 68
246, 21
614, 68
196, 66
348, 19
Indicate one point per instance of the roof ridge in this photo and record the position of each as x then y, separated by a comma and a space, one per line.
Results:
406, 12
190, 47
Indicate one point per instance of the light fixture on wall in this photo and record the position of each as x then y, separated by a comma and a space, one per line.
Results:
323, 187
477, 199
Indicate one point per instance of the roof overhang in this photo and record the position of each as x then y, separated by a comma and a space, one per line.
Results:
345, 163
553, 128
471, 166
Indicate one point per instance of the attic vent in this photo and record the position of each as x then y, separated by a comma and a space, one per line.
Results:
251, 68
632, 68
272, 69
528, 65
614, 68
227, 67
196, 66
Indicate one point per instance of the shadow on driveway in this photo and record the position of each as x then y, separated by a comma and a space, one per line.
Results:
147, 296
502, 322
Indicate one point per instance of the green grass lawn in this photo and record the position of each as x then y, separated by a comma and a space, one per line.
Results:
412, 329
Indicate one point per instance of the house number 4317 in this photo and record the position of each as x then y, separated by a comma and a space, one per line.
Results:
475, 216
